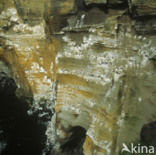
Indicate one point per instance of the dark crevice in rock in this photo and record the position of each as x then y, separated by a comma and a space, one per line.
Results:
132, 12
74, 144
148, 134
120, 6
7, 85
80, 4
153, 61
55, 23
20, 133
19, 9
145, 17
145, 25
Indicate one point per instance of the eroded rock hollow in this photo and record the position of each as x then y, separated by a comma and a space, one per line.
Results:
86, 68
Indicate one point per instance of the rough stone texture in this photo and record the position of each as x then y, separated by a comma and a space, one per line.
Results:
56, 12
145, 26
95, 66
22, 46
30, 11
63, 7
95, 2
143, 7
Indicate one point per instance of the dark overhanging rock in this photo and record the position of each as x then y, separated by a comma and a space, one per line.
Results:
74, 144
148, 134
7, 85
145, 25
19, 132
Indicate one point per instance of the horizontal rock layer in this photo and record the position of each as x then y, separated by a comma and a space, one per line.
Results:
92, 61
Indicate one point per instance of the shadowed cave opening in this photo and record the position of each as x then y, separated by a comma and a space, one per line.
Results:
20, 134
148, 134
74, 144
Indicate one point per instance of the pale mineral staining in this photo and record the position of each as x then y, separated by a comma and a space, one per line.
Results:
77, 77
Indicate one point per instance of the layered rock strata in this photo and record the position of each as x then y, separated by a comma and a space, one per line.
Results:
92, 62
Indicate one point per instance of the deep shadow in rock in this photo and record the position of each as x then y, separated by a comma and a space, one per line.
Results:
20, 134
148, 134
74, 145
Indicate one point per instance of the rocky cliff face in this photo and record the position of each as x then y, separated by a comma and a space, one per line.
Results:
91, 62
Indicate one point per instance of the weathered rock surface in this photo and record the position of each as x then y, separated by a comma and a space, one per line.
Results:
95, 66
29, 11
95, 2
144, 7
